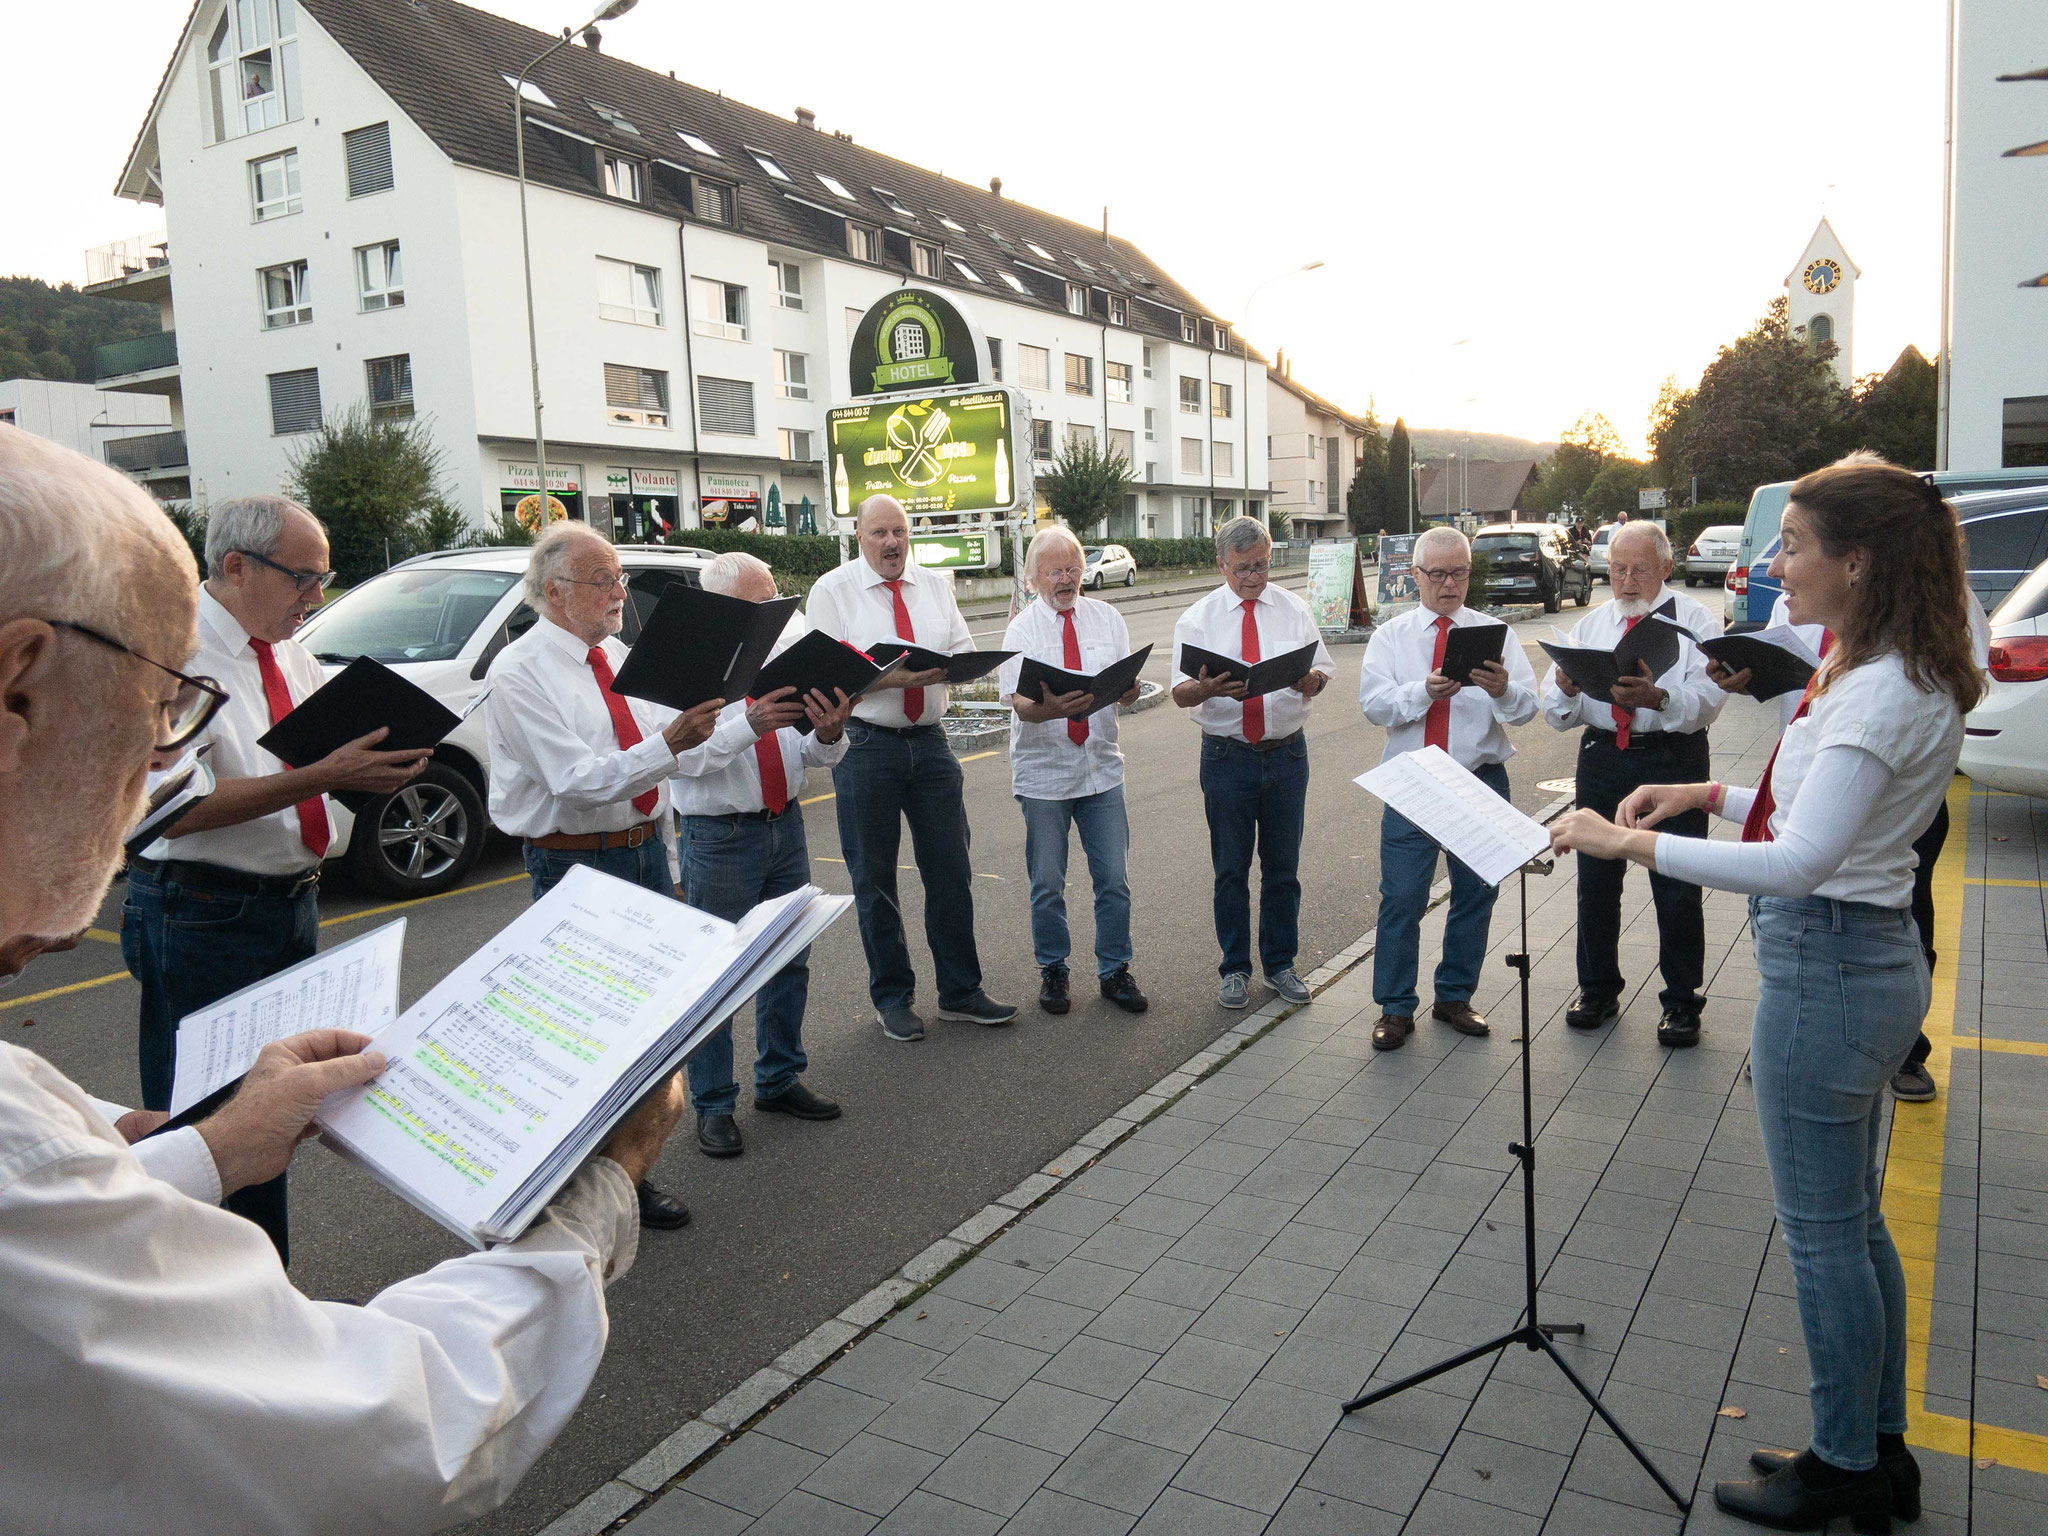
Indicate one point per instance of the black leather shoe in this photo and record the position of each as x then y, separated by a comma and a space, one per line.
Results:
717, 1136
1901, 1471
1679, 1028
798, 1100
1592, 1012
1121, 988
1784, 1502
1052, 989
659, 1209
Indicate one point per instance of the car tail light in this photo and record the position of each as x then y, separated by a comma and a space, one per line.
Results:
2021, 659
1737, 583
1694, 551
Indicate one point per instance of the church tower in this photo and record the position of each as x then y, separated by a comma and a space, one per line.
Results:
1821, 292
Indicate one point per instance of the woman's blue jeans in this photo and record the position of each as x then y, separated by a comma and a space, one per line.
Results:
1844, 989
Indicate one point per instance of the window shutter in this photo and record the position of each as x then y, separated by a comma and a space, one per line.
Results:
295, 401
369, 159
727, 406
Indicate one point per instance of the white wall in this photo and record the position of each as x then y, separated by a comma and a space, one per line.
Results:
80, 416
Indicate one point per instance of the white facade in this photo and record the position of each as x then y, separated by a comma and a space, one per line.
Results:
1995, 343
1313, 456
78, 415
1820, 295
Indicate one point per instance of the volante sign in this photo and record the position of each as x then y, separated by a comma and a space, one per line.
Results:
939, 455
914, 339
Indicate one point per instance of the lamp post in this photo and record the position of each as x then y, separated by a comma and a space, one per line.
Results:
607, 12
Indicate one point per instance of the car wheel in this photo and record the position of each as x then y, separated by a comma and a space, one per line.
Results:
1585, 593
1550, 601
421, 840
1131, 577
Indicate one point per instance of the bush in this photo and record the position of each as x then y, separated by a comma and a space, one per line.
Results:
191, 525
373, 481
1684, 524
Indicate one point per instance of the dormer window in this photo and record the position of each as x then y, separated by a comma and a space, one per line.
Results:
863, 243
1219, 336
1119, 314
1077, 297
624, 178
252, 68
926, 259
1190, 330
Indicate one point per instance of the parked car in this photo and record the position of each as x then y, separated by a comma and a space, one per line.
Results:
2005, 738
1712, 553
1529, 562
439, 620
1107, 563
1596, 556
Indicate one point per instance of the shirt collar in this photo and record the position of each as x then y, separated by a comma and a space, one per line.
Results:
565, 640
1265, 595
213, 613
870, 577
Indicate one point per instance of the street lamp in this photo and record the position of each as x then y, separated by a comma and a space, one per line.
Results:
608, 12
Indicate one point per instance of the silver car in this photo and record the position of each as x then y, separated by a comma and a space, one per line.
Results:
1712, 553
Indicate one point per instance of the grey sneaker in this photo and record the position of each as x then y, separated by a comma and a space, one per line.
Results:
1913, 1084
900, 1024
979, 1008
1236, 990
1289, 986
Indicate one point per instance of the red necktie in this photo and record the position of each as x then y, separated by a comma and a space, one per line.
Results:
1077, 730
1624, 718
1756, 826
313, 829
913, 698
1436, 725
774, 782
1254, 709
624, 726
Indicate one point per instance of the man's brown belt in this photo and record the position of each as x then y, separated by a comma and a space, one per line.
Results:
596, 842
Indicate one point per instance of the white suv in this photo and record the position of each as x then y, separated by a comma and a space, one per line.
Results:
440, 620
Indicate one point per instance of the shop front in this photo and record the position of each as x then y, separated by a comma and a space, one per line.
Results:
726, 500
519, 491
645, 504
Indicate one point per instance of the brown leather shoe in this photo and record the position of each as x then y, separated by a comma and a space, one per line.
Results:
1460, 1017
1392, 1031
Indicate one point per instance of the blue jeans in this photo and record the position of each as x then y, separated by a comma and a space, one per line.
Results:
885, 779
1844, 988
731, 864
190, 946
1256, 802
1407, 868
645, 866
1106, 840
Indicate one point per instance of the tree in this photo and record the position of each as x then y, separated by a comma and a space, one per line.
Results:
371, 480
1365, 499
1086, 485
1583, 449
1894, 412
1400, 480
1613, 490
51, 332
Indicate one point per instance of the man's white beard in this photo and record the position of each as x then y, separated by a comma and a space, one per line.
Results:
1631, 607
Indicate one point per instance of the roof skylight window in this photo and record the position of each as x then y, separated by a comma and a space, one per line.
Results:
1012, 279
528, 91
1040, 251
767, 163
612, 116
697, 144
954, 225
893, 203
835, 186
965, 270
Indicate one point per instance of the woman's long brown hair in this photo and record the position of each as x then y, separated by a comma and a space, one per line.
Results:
1913, 597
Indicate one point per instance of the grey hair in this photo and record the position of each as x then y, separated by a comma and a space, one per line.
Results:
552, 551
879, 499
1659, 539
1049, 538
254, 524
1440, 534
728, 571
1239, 535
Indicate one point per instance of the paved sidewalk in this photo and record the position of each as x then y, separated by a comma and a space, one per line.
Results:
1161, 1344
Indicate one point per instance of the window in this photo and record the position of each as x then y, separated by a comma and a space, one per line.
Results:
1121, 443
794, 444
1151, 470
726, 405
1191, 517
628, 292
721, 309
623, 178
1041, 438
1080, 374
965, 270
1190, 329
1079, 434
368, 151
1040, 251
1223, 458
1191, 455
1223, 509
635, 397
1819, 329
1190, 395
701, 146
835, 186
274, 185
1315, 492
926, 259
380, 279
295, 401
767, 163
1148, 359
862, 243
711, 201
1034, 367
852, 321
892, 202
789, 284
1151, 425
252, 68
1077, 298
528, 90
285, 300
1311, 445
995, 356
953, 224
1119, 314
1116, 379
792, 376
1219, 401
390, 381
613, 118
1011, 278
1219, 337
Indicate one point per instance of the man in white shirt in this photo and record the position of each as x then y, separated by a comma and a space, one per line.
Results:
580, 772
740, 842
899, 767
1402, 687
234, 897
1654, 733
1254, 757
158, 1372
1067, 771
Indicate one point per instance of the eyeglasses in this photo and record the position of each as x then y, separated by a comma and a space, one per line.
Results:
308, 581
1061, 573
1635, 572
605, 582
1461, 573
187, 712
1242, 571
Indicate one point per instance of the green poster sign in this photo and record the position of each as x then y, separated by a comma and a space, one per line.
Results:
913, 339
939, 455
957, 551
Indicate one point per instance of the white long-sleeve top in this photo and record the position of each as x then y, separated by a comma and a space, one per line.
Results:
853, 605
1215, 622
1393, 690
1045, 762
1855, 783
158, 1371
1695, 699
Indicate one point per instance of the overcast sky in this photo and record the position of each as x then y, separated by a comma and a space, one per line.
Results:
1525, 211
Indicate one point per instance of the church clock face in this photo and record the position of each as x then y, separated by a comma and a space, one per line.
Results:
1822, 276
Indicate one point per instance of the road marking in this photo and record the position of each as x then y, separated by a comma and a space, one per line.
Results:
76, 986
2009, 1047
2030, 885
103, 936
420, 901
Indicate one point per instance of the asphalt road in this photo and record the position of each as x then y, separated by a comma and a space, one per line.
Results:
814, 1215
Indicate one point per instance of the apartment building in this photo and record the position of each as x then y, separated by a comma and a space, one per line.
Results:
342, 225
131, 432
1312, 454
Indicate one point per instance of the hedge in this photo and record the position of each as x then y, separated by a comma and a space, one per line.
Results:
1684, 524
804, 558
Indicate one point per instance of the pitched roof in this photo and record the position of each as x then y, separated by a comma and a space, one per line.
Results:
450, 66
1490, 485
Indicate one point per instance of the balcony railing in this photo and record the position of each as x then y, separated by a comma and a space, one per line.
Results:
141, 354
125, 258
156, 450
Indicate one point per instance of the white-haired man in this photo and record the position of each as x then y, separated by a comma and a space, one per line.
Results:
1254, 758
158, 1371
234, 897
1067, 770
899, 767
1655, 732
1402, 687
740, 841
581, 773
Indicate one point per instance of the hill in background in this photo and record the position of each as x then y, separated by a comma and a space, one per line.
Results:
1434, 443
49, 332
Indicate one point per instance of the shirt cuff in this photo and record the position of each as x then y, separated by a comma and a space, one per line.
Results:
181, 1159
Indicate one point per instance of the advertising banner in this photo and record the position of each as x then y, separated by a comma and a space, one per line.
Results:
950, 455
1332, 563
523, 477
957, 551
1397, 572
913, 339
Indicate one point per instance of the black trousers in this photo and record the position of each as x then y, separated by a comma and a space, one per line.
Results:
1928, 847
1606, 776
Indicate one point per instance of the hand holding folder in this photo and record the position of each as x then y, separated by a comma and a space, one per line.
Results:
700, 645
364, 696
1594, 671
1035, 680
1471, 645
959, 667
1259, 678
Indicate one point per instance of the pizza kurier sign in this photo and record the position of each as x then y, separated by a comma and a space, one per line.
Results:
916, 339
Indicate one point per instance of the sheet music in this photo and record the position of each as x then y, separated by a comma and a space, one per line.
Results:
1786, 637
352, 986
1470, 821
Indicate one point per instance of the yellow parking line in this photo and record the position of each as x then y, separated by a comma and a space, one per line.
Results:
2030, 885
2009, 1047
103, 936
76, 986
419, 901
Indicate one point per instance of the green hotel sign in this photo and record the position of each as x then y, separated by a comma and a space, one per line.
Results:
915, 339
941, 455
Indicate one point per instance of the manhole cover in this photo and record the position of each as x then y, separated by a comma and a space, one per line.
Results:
1557, 786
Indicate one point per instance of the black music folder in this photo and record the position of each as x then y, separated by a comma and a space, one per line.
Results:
700, 645
1472, 645
1595, 671
362, 696
1773, 669
1107, 686
1259, 677
821, 662
961, 666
